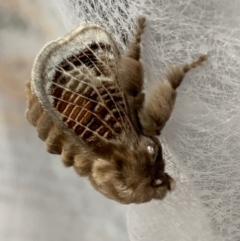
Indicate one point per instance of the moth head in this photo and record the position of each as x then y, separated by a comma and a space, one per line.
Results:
132, 175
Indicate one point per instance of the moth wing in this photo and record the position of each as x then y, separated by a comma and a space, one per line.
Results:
76, 80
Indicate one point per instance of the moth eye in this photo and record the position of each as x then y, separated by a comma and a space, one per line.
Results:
153, 154
157, 182
150, 150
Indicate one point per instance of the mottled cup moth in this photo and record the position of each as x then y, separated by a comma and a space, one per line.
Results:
86, 101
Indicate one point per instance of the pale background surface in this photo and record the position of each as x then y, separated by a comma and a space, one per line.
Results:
40, 199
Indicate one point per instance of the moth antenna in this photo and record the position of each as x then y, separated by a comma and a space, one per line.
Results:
176, 74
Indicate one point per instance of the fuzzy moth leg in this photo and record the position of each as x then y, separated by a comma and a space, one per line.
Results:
160, 100
131, 74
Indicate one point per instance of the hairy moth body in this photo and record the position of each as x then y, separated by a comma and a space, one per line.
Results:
86, 102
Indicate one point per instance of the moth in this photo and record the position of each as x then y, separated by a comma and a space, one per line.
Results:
86, 102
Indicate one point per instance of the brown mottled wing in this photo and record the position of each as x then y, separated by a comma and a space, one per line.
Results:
76, 80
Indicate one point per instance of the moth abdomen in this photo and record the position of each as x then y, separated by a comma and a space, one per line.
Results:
44, 125
54, 141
